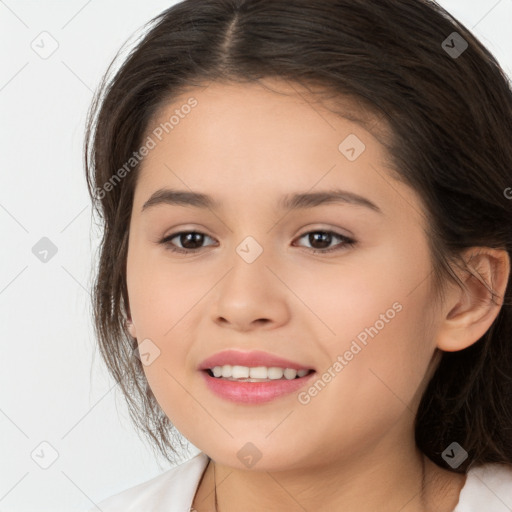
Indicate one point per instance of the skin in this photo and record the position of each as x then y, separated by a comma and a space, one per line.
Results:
352, 446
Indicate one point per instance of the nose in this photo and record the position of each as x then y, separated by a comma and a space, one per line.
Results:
250, 296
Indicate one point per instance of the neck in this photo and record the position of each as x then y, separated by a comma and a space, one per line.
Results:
404, 482
277, 491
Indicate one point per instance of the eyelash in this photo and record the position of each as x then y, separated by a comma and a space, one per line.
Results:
347, 242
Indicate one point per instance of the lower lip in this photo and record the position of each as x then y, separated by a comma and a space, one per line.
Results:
254, 392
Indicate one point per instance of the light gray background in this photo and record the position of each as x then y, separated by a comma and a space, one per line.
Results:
54, 387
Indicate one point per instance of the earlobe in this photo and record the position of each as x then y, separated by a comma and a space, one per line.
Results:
131, 328
128, 322
470, 311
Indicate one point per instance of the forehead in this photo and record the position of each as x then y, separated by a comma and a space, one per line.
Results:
271, 102
263, 139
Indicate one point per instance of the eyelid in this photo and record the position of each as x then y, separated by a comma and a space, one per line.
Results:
345, 243
327, 228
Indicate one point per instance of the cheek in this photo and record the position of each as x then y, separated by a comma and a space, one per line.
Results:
382, 342
372, 290
161, 293
374, 384
163, 301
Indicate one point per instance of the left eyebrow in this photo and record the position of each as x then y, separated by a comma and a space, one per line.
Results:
288, 202
312, 199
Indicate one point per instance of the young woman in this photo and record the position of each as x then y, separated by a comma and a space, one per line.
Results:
305, 267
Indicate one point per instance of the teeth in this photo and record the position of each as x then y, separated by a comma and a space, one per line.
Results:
239, 372
259, 372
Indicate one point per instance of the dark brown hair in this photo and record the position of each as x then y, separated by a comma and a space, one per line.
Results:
450, 120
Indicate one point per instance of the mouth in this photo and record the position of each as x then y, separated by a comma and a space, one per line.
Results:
255, 385
238, 373
253, 377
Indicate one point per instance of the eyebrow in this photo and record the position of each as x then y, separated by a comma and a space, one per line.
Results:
294, 201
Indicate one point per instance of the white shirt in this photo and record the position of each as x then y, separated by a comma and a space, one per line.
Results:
488, 488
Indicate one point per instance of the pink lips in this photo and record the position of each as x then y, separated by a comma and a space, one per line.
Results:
252, 358
252, 392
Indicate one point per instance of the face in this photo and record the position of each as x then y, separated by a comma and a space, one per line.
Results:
340, 287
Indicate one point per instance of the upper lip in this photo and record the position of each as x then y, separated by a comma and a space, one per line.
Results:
251, 359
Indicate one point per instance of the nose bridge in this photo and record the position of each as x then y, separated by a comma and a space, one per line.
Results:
249, 291
249, 266
250, 250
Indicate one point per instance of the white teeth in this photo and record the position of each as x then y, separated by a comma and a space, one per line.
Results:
239, 372
275, 373
258, 372
290, 374
217, 371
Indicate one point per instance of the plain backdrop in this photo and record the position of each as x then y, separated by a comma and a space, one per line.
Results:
58, 406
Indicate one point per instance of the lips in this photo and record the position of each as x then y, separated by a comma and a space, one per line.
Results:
252, 359
254, 393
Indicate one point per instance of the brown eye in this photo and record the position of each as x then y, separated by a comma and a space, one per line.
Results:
321, 240
190, 241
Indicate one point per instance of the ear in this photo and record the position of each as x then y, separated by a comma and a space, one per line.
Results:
129, 323
131, 328
468, 314
128, 317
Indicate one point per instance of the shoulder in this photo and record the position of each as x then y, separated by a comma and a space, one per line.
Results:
172, 491
488, 487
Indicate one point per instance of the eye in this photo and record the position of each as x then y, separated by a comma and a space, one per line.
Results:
325, 238
190, 240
